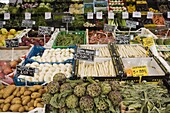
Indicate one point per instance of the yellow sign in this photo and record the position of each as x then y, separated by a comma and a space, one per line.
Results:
139, 71
147, 42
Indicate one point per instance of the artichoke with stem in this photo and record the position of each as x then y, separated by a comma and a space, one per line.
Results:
80, 90
53, 87
46, 97
94, 90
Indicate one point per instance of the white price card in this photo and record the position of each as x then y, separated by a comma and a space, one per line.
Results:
149, 15
136, 14
99, 15
125, 15
89, 15
168, 14
47, 15
111, 15
6, 16
27, 16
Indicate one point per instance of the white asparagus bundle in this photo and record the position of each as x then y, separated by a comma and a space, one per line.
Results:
128, 51
96, 69
103, 51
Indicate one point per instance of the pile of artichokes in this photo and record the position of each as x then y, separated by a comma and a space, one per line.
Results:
78, 96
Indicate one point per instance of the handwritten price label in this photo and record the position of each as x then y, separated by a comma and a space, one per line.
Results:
111, 15
149, 15
27, 16
47, 15
139, 71
168, 14
89, 15
125, 15
99, 15
136, 14
6, 16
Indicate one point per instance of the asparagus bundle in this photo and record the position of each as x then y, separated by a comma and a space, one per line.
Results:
99, 69
104, 51
127, 51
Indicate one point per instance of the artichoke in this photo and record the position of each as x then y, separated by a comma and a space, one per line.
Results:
79, 90
86, 103
72, 101
106, 88
115, 97
94, 90
101, 112
63, 110
46, 97
115, 85
102, 105
53, 87
59, 77
64, 87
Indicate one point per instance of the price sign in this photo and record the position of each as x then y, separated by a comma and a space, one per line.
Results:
43, 30
47, 15
131, 24
109, 28
27, 23
149, 15
99, 15
89, 15
125, 15
67, 19
28, 71
168, 14
111, 15
167, 23
27, 16
11, 43
139, 71
86, 54
147, 42
6, 16
136, 14
122, 39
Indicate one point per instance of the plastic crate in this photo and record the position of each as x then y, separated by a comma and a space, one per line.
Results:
39, 50
81, 33
22, 82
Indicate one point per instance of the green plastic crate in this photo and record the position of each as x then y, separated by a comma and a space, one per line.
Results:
81, 33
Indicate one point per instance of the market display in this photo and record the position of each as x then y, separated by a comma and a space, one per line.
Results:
84, 56
20, 99
47, 71
100, 68
80, 96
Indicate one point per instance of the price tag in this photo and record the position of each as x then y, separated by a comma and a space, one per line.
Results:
167, 23
11, 43
27, 23
67, 19
168, 14
109, 28
43, 30
122, 39
28, 71
47, 15
149, 15
19, 1
99, 15
111, 15
131, 24
139, 71
147, 42
125, 15
27, 16
6, 16
89, 15
136, 14
86, 54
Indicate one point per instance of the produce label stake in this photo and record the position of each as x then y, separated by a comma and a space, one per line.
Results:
12, 59
44, 40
